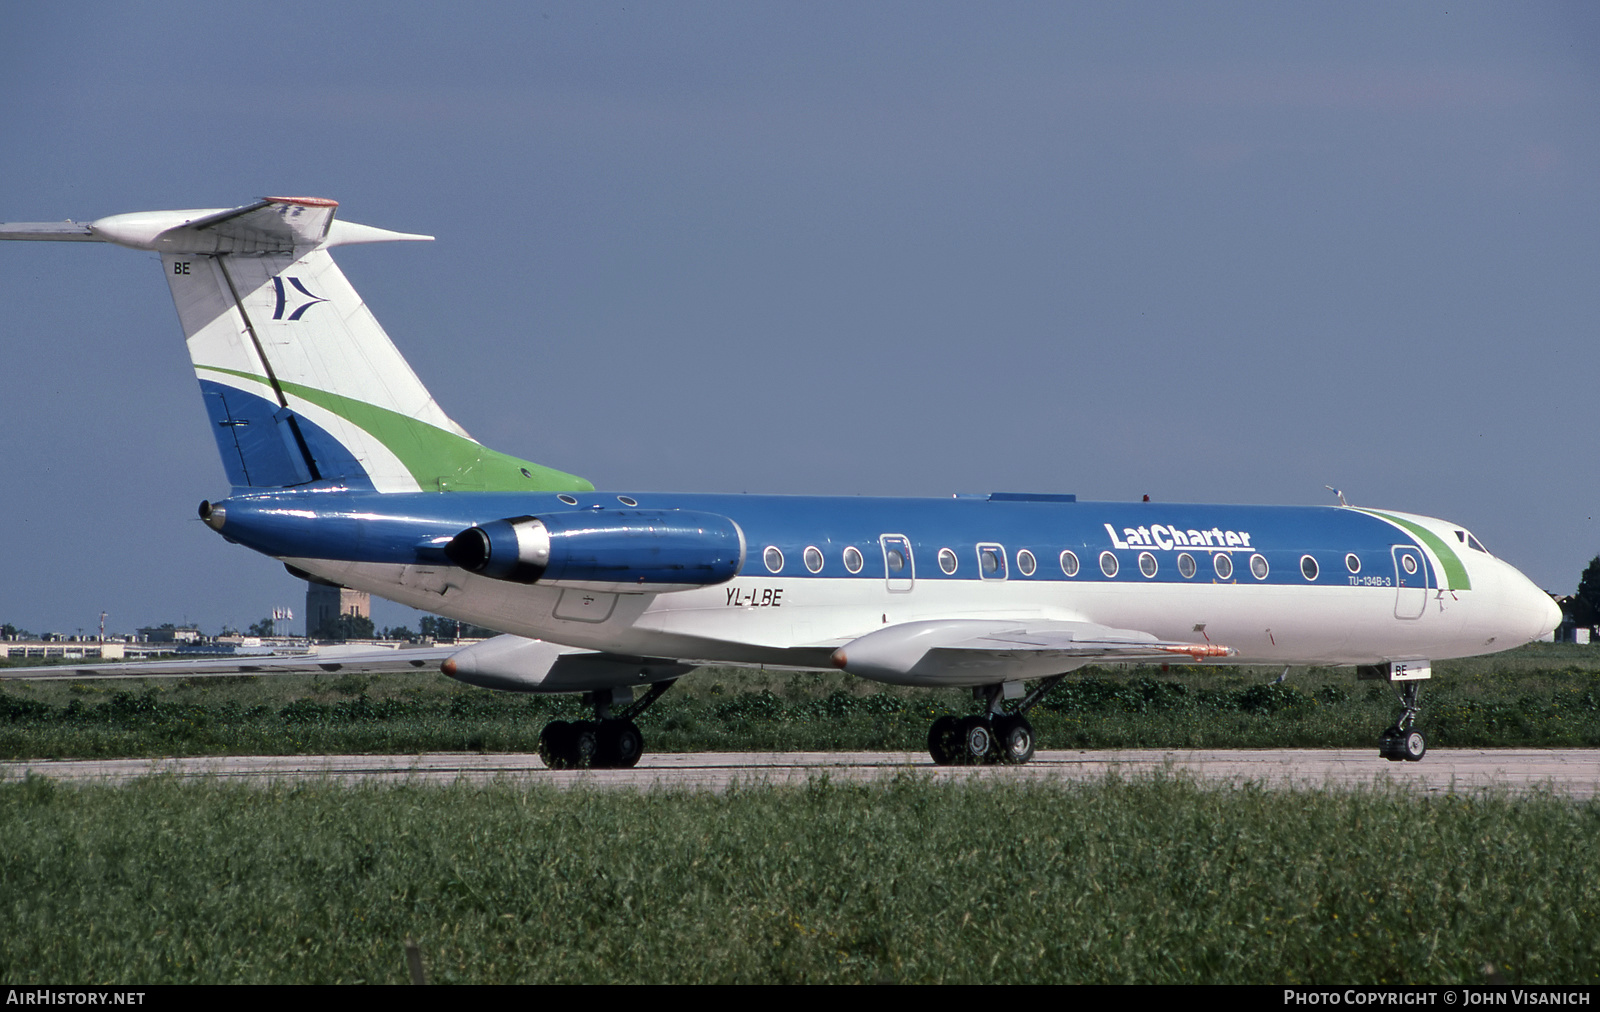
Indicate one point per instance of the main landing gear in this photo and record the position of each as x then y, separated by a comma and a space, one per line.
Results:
609, 742
1403, 741
995, 736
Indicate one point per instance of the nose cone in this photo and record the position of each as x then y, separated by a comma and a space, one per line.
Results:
1552, 615
1532, 613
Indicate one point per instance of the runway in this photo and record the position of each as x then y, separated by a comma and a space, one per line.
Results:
1570, 772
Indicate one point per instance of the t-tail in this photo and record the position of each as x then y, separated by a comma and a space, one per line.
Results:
301, 384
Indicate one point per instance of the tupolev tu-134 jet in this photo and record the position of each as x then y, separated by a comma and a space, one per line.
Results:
343, 467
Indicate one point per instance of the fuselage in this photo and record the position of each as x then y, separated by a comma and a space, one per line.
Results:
1303, 585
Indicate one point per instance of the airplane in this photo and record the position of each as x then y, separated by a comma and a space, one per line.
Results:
344, 468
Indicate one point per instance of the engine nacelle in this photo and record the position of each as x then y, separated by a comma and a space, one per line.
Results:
608, 550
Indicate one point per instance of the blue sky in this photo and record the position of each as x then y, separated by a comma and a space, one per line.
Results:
1216, 253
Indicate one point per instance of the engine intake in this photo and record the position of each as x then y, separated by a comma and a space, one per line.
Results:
606, 550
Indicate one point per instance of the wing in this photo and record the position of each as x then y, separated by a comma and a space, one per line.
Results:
360, 660
512, 663
983, 651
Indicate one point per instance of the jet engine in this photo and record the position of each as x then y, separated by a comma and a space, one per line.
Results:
618, 551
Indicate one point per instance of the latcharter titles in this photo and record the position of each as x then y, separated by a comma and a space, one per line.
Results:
1166, 538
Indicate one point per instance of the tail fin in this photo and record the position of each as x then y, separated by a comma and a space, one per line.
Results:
300, 382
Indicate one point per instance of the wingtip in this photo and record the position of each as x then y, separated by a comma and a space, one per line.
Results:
305, 201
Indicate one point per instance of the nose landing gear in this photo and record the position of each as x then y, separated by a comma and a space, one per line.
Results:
1402, 742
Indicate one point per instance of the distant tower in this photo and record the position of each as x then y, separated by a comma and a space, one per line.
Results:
324, 603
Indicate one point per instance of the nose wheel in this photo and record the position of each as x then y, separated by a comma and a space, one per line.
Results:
1402, 742
1398, 745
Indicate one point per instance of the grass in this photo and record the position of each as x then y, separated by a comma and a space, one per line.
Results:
1542, 695
1155, 880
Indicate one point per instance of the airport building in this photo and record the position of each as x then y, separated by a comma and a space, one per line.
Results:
80, 650
325, 602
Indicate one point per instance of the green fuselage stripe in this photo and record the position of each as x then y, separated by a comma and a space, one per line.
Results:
435, 458
1454, 572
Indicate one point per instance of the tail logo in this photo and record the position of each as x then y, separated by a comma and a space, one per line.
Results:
283, 299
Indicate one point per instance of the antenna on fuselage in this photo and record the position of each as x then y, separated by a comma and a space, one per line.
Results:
1338, 493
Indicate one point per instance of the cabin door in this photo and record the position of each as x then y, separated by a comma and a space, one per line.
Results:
1410, 580
899, 569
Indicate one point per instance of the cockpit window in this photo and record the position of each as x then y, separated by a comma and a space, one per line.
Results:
1471, 542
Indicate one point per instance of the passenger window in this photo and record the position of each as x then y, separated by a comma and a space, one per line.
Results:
992, 562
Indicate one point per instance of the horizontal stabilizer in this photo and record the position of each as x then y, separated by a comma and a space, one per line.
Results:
982, 651
270, 225
48, 231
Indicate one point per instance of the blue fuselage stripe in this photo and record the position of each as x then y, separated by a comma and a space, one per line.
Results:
352, 525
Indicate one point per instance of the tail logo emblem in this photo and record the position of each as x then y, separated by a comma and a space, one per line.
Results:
283, 299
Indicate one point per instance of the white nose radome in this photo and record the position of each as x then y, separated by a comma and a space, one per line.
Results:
1531, 614
1552, 615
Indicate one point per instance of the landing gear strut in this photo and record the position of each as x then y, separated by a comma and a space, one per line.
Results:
609, 742
1403, 741
995, 736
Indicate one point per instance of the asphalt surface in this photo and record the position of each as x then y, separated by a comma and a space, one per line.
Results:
1570, 772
